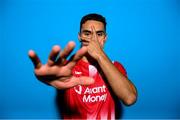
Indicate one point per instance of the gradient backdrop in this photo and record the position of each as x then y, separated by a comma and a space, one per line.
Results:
142, 34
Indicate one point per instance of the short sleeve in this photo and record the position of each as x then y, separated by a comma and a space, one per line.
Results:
120, 67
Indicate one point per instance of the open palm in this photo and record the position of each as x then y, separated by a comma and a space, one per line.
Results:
57, 71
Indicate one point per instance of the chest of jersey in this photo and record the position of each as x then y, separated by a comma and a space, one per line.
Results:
93, 101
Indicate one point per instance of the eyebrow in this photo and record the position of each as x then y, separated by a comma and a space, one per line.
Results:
86, 31
100, 31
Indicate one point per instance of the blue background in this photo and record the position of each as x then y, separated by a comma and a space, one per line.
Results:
142, 34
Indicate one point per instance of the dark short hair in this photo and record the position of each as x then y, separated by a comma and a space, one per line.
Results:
93, 16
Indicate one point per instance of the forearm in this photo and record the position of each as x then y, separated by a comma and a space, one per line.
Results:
120, 85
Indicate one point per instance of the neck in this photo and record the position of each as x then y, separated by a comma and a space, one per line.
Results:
91, 61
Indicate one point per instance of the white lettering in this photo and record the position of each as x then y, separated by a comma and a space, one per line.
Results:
97, 98
95, 94
95, 90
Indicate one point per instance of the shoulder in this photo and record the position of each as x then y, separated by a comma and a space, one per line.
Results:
120, 67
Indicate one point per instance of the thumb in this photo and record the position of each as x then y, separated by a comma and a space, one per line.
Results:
84, 80
72, 82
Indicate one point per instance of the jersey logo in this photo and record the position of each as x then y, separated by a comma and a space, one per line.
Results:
78, 89
78, 73
95, 94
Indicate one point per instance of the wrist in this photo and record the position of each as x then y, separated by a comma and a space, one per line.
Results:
102, 56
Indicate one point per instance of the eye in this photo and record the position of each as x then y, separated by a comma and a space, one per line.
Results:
87, 33
100, 34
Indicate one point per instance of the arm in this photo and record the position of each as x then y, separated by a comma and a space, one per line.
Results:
121, 86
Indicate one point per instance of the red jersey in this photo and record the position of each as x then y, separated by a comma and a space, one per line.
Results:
90, 102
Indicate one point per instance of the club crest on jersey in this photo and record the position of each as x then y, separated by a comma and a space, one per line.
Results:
92, 71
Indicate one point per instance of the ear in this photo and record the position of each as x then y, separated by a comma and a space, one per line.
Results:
79, 36
103, 41
105, 38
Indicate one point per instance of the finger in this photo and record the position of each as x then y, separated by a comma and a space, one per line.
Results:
83, 80
66, 52
94, 36
72, 82
35, 59
79, 54
68, 49
53, 55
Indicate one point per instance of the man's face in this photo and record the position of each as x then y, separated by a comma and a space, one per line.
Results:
87, 32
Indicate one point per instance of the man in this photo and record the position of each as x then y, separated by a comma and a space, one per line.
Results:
90, 81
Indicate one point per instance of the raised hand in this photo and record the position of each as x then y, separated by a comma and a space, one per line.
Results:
57, 71
94, 43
